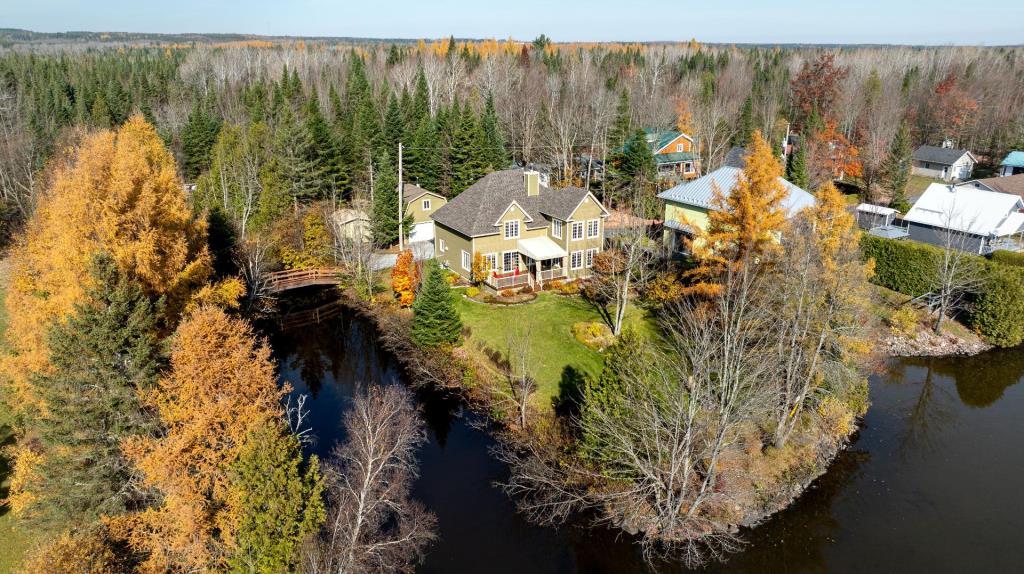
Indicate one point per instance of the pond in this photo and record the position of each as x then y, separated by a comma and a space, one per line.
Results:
932, 482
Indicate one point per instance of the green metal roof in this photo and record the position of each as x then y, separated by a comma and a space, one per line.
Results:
661, 137
677, 157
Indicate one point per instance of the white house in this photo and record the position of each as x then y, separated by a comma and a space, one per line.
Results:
981, 220
945, 163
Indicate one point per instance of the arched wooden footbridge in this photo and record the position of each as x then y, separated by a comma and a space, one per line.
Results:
296, 278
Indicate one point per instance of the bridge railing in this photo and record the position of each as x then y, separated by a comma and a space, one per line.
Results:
295, 278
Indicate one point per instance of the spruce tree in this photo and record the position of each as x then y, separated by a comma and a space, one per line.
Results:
636, 160
394, 125
99, 114
469, 156
324, 153
745, 124
197, 139
497, 156
102, 357
420, 99
435, 320
421, 159
896, 169
293, 149
621, 127
384, 217
796, 167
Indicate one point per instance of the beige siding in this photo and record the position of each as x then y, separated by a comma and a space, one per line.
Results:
415, 207
588, 210
454, 244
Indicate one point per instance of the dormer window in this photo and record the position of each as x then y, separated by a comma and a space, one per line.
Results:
426, 205
679, 147
512, 229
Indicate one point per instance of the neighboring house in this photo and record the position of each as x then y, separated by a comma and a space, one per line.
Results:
420, 204
352, 224
673, 152
945, 163
528, 232
1013, 184
981, 220
691, 201
1013, 164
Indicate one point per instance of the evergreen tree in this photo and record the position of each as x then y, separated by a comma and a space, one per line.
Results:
277, 499
420, 99
421, 159
99, 114
796, 167
497, 156
621, 128
102, 357
324, 153
745, 124
896, 169
623, 361
293, 150
435, 320
384, 217
394, 126
197, 139
636, 160
469, 154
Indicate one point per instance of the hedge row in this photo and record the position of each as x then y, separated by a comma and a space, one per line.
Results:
995, 310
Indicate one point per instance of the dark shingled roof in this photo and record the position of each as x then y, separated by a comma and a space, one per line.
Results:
411, 192
1013, 184
737, 157
474, 211
939, 155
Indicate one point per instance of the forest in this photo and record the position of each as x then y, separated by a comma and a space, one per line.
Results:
148, 189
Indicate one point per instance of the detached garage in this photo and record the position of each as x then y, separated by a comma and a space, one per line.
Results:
420, 204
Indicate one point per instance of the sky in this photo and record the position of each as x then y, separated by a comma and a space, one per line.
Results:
930, 22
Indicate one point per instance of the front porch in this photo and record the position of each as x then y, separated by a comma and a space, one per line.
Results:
538, 260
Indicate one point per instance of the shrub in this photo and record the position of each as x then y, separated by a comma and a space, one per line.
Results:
489, 298
526, 290
904, 321
507, 293
665, 288
570, 288
472, 292
1008, 258
554, 285
995, 312
452, 278
593, 334
903, 266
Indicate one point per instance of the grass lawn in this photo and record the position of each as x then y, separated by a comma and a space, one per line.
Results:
554, 351
917, 185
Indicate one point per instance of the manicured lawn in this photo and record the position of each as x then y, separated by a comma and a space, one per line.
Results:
555, 354
917, 185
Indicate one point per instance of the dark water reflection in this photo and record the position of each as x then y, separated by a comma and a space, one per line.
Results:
932, 483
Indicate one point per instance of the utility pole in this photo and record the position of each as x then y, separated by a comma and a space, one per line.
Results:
401, 226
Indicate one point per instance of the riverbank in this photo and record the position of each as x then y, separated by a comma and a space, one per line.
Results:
905, 330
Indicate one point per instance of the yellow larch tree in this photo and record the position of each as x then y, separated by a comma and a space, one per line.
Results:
117, 193
221, 389
743, 225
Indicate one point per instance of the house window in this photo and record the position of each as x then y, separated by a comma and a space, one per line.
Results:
512, 229
593, 228
467, 260
556, 228
440, 245
576, 260
426, 205
492, 261
687, 167
679, 147
577, 230
508, 261
590, 257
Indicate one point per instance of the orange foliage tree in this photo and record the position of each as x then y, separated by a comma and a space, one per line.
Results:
405, 278
221, 389
743, 225
118, 192
481, 268
952, 110
832, 156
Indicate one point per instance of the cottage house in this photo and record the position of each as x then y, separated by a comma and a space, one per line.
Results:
527, 232
420, 204
945, 163
1012, 184
981, 221
1013, 164
673, 152
691, 201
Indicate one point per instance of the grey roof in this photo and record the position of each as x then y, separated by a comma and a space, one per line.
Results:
939, 155
736, 157
700, 191
889, 232
411, 192
474, 211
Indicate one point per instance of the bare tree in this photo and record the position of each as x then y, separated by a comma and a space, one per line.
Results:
957, 271
372, 524
254, 260
519, 374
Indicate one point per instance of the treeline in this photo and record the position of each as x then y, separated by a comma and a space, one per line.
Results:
342, 109
152, 433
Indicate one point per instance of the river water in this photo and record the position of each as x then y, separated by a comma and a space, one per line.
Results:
933, 482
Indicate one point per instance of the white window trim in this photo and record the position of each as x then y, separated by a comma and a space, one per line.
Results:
559, 225
515, 264
467, 257
582, 228
492, 260
679, 148
518, 229
426, 205
597, 228
572, 260
441, 246
588, 258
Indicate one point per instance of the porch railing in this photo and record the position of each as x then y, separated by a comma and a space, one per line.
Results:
509, 281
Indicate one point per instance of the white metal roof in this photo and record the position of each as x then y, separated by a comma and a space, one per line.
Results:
966, 209
540, 248
700, 191
872, 208
1011, 225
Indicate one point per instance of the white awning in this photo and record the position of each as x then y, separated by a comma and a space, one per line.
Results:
1011, 225
878, 209
540, 248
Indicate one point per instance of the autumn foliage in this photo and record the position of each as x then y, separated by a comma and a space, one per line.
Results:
743, 225
119, 192
405, 278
